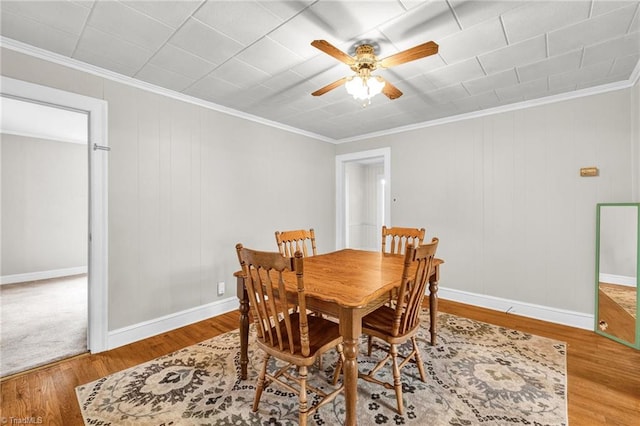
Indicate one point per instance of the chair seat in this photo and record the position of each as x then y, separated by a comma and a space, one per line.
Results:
379, 323
323, 335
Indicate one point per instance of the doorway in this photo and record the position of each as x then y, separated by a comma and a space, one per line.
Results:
44, 234
362, 198
94, 113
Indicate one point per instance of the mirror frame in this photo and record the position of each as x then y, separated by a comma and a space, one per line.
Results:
597, 329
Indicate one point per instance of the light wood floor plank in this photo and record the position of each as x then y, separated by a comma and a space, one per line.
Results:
603, 376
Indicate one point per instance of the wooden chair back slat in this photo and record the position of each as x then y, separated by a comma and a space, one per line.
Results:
418, 266
264, 281
400, 238
289, 242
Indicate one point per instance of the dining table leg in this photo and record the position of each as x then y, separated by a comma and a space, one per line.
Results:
243, 298
350, 329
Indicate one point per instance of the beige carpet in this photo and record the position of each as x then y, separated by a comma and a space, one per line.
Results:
42, 322
477, 374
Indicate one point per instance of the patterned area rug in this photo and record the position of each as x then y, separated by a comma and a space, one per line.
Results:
478, 373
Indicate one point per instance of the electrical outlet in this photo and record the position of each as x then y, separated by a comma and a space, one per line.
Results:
220, 288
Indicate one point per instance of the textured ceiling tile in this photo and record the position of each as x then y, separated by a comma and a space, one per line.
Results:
36, 34
482, 101
557, 64
635, 24
128, 24
624, 66
203, 41
310, 68
322, 77
282, 81
446, 94
225, 16
603, 27
605, 6
64, 16
430, 21
502, 79
419, 67
163, 78
180, 61
583, 75
611, 49
514, 55
300, 31
524, 90
344, 106
240, 74
476, 40
613, 78
417, 84
539, 17
93, 57
473, 12
172, 13
98, 44
286, 9
461, 71
212, 88
269, 56
347, 20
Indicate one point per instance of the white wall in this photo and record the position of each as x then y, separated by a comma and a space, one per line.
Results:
185, 185
44, 206
503, 193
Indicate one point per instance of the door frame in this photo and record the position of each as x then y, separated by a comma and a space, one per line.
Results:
96, 110
341, 204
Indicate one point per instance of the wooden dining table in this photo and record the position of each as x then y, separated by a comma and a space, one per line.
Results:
346, 284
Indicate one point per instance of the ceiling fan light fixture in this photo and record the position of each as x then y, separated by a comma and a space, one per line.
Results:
364, 88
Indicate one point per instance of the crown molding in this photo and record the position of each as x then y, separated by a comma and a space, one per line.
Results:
130, 81
66, 61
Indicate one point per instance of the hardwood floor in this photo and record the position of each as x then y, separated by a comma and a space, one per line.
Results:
603, 376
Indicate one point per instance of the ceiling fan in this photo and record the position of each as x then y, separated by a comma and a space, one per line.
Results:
363, 85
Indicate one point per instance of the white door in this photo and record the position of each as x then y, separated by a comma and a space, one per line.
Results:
362, 198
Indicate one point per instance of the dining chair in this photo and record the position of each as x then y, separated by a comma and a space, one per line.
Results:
399, 238
400, 323
286, 333
291, 241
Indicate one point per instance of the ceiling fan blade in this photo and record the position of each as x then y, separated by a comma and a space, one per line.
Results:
331, 50
389, 90
420, 51
331, 86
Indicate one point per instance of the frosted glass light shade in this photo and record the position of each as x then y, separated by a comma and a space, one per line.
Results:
363, 89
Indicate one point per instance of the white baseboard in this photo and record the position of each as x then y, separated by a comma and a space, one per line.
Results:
143, 330
42, 275
618, 279
545, 313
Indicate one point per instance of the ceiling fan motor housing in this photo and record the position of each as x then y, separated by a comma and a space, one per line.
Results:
365, 59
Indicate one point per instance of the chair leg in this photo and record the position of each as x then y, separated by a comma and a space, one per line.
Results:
397, 383
302, 376
261, 382
339, 364
369, 345
418, 359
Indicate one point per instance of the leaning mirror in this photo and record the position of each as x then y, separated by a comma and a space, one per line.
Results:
617, 258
